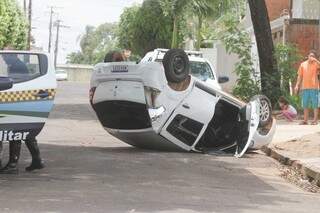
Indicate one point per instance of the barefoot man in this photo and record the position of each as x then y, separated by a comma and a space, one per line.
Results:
308, 82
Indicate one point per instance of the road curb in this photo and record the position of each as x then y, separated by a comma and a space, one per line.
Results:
305, 170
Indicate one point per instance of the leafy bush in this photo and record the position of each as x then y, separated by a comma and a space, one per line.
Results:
287, 56
237, 40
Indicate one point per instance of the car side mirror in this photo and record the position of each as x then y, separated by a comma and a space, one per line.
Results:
5, 83
223, 79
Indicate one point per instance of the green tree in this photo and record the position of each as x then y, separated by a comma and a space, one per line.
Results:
94, 44
287, 56
126, 28
13, 26
174, 9
144, 28
237, 40
201, 9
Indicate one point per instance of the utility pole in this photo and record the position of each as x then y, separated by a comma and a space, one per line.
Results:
50, 29
58, 25
25, 7
56, 50
51, 22
30, 24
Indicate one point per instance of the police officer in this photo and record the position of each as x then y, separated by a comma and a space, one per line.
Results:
14, 155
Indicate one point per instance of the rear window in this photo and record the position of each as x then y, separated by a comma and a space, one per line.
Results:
201, 70
20, 67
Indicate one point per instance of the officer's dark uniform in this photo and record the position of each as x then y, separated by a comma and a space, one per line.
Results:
17, 66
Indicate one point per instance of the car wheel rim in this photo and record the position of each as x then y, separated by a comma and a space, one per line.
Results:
178, 65
264, 110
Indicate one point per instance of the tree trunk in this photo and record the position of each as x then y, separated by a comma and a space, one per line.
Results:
174, 43
199, 38
270, 79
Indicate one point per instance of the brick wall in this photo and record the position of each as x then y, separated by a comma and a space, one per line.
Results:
276, 7
305, 34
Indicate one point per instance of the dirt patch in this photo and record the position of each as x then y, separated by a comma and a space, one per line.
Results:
293, 176
305, 147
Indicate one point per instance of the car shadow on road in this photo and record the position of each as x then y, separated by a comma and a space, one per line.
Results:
125, 179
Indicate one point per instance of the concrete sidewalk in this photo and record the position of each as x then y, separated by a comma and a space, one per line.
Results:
297, 146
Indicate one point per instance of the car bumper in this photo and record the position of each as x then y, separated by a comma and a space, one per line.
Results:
263, 138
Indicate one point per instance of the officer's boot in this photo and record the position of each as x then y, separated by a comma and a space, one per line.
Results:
35, 153
14, 154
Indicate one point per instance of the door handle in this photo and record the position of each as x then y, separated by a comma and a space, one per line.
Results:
186, 106
42, 94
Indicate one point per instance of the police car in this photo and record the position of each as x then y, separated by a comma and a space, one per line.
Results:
27, 91
165, 103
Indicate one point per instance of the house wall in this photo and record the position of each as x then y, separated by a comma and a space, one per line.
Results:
276, 8
224, 65
305, 34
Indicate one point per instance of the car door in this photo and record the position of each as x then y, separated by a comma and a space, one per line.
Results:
25, 106
190, 119
253, 117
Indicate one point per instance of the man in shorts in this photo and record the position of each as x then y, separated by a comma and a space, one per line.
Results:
308, 83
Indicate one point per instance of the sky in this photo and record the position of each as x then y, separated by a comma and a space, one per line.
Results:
76, 14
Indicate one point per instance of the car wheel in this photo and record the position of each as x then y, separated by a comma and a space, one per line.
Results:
176, 65
265, 110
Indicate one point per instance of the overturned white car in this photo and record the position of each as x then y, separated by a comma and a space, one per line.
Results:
160, 104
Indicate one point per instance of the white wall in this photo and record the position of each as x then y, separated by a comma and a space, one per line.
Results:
306, 9
223, 64
77, 72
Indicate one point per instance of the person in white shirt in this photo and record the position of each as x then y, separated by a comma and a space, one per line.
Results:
287, 110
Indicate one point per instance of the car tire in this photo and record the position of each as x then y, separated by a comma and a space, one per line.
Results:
176, 65
265, 110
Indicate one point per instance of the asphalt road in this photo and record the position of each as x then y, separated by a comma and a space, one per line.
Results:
89, 171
